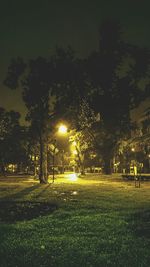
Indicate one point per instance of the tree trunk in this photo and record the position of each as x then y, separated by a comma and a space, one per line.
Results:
82, 169
107, 164
2, 171
81, 163
43, 176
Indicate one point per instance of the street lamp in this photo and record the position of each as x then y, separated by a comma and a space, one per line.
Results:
62, 129
149, 161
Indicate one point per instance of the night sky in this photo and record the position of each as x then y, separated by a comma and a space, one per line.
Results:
32, 28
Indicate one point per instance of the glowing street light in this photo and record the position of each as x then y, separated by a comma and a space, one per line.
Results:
62, 129
74, 143
74, 152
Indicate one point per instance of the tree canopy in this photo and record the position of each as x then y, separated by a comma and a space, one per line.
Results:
112, 80
13, 139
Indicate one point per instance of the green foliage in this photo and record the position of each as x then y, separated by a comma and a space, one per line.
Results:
83, 136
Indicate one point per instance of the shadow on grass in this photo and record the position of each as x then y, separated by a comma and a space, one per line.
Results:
11, 212
140, 222
21, 193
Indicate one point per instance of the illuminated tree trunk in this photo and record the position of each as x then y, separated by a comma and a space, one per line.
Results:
81, 162
62, 162
82, 169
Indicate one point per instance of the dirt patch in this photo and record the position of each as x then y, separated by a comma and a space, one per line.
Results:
11, 212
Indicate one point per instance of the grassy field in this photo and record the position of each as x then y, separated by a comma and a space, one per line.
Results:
94, 221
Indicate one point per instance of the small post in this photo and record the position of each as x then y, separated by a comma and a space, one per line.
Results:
136, 177
54, 150
53, 167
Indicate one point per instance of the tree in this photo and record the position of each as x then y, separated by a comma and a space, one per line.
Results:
115, 74
69, 84
137, 147
84, 136
13, 139
35, 77
107, 79
112, 80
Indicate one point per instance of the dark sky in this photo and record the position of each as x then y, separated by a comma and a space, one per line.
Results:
32, 28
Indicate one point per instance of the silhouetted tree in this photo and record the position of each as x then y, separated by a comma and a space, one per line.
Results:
13, 139
69, 82
35, 83
115, 73
112, 79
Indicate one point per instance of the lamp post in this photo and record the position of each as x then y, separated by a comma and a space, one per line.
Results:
62, 130
34, 159
53, 156
149, 162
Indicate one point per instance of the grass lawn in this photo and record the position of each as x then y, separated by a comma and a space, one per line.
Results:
94, 221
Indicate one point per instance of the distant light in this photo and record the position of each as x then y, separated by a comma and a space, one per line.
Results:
74, 193
74, 143
132, 149
74, 152
62, 129
73, 177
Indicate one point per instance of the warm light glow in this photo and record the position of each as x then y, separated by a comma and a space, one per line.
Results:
73, 177
62, 129
74, 152
74, 143
74, 193
11, 167
132, 149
